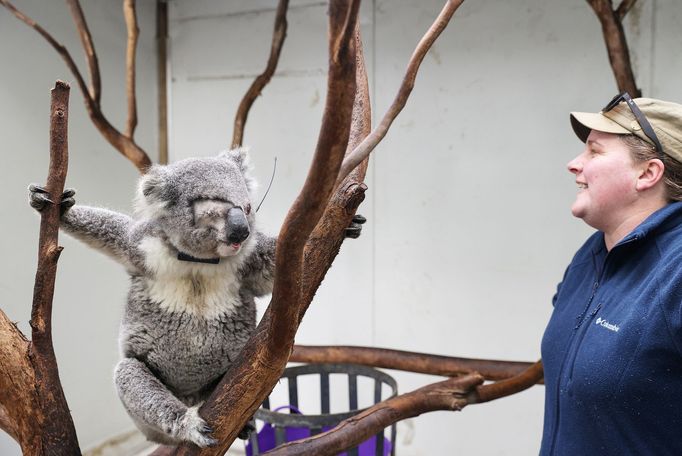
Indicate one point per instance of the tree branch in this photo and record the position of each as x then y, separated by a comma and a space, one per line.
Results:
95, 91
408, 361
33, 409
162, 77
616, 46
59, 433
624, 8
367, 146
309, 207
278, 36
326, 239
126, 146
524, 380
131, 49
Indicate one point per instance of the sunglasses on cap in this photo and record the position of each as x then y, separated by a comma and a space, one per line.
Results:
647, 129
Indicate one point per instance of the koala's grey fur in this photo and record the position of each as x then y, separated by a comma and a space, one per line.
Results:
184, 322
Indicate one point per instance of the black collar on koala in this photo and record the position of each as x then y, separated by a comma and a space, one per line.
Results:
186, 257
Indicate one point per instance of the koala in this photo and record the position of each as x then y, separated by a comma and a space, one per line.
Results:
196, 262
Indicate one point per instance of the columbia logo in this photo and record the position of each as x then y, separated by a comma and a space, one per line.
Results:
605, 324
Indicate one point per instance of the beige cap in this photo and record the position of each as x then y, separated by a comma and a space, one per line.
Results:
665, 118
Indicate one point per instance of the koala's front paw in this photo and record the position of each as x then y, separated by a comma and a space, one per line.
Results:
38, 198
355, 228
193, 428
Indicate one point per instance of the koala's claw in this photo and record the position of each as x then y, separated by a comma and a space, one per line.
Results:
246, 431
39, 198
193, 428
355, 228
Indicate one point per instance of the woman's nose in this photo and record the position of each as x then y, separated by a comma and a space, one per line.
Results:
574, 166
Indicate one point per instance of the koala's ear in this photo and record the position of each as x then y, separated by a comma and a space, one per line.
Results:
152, 185
153, 192
240, 156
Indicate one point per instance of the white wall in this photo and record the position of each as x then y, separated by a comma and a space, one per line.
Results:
90, 288
469, 225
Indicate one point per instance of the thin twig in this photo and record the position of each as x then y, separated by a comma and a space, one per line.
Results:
624, 8
278, 36
367, 146
89, 48
408, 361
162, 80
131, 49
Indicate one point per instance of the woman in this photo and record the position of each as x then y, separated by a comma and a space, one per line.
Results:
612, 350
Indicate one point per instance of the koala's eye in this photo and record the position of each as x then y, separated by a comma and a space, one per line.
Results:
247, 209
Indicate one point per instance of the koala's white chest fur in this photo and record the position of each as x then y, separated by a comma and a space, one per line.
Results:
206, 290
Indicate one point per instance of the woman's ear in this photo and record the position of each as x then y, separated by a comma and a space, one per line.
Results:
650, 174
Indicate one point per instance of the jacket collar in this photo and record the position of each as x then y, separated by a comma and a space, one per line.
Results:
664, 218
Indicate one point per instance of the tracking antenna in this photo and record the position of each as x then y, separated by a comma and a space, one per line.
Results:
272, 178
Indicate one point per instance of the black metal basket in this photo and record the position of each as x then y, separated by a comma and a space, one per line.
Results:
316, 423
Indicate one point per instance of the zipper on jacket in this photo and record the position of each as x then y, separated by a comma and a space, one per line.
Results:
579, 343
573, 350
581, 317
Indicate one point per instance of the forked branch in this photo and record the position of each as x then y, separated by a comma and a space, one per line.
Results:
125, 145
624, 8
278, 36
453, 394
616, 43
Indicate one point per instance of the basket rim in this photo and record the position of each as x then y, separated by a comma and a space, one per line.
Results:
325, 419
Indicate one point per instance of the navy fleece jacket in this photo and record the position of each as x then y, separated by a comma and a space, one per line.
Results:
612, 350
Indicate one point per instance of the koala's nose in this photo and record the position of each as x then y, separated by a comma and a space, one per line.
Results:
237, 226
